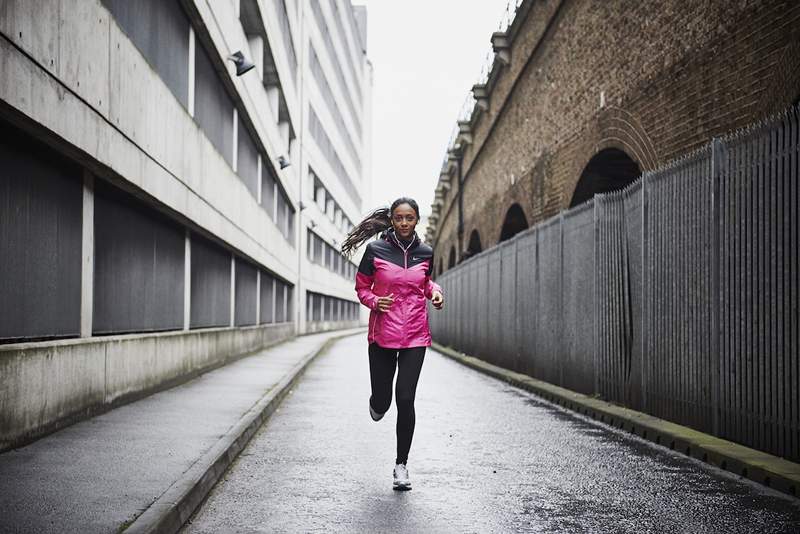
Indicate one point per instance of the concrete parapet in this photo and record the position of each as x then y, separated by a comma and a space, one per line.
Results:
313, 327
47, 385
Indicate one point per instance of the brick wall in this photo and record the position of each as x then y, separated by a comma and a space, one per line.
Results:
673, 74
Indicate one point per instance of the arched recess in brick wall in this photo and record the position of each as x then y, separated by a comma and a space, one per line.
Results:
609, 170
474, 246
451, 260
514, 222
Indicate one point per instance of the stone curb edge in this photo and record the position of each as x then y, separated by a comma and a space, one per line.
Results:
174, 507
763, 468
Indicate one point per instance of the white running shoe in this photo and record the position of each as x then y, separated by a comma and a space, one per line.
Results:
401, 480
375, 415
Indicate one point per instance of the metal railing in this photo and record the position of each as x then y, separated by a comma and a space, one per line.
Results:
679, 296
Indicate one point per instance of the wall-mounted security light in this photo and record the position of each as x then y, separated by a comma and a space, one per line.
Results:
242, 64
283, 162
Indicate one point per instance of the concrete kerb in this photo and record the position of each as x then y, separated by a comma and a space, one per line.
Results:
758, 466
174, 507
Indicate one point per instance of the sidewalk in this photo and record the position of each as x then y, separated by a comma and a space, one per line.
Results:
760, 467
144, 466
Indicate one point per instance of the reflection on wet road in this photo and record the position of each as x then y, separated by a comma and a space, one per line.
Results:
486, 457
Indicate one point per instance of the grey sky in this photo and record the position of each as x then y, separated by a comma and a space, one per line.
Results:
426, 55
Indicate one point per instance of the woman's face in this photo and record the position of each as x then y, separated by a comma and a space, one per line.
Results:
404, 220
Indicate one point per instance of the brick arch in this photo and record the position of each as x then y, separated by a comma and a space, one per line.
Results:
474, 244
785, 81
514, 221
622, 130
610, 169
451, 257
613, 128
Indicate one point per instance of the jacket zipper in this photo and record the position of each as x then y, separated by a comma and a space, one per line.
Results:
405, 269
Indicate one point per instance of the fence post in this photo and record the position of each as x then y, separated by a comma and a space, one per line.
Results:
595, 315
518, 365
645, 354
561, 350
718, 156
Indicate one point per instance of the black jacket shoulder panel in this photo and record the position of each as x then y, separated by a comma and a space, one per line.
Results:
366, 266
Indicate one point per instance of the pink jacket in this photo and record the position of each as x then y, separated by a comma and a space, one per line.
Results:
389, 268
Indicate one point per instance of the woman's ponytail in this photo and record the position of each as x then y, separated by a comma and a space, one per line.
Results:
374, 223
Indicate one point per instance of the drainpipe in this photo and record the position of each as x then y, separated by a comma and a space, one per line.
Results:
460, 207
456, 154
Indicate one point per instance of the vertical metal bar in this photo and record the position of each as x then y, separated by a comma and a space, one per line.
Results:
782, 289
699, 407
654, 260
596, 274
725, 307
793, 377
692, 260
742, 264
561, 343
622, 271
717, 160
669, 296
754, 374
684, 298
773, 269
644, 356
747, 313
616, 274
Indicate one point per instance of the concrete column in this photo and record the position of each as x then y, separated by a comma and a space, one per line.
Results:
256, 44
274, 290
260, 170
286, 317
87, 255
275, 193
273, 97
283, 132
191, 71
187, 282
235, 156
258, 296
233, 290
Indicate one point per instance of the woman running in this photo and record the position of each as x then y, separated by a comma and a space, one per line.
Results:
393, 281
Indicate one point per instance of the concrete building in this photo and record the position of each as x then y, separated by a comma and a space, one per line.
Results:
160, 214
580, 97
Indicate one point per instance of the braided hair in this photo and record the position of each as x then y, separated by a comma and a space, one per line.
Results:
377, 221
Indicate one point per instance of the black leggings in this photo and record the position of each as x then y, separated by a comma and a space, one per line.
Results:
382, 363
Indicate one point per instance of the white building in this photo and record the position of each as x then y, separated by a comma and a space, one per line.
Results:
146, 206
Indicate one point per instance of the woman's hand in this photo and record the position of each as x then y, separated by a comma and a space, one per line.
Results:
384, 303
437, 299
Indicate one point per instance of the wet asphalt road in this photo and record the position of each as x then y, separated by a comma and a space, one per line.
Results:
486, 457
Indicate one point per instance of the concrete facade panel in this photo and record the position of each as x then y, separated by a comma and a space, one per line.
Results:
83, 42
33, 25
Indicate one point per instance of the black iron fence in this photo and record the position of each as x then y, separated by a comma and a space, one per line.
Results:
679, 296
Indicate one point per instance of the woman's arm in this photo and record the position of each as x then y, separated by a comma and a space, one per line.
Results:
365, 277
433, 291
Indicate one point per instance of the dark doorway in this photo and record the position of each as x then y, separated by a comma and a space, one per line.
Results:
609, 170
474, 246
514, 223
